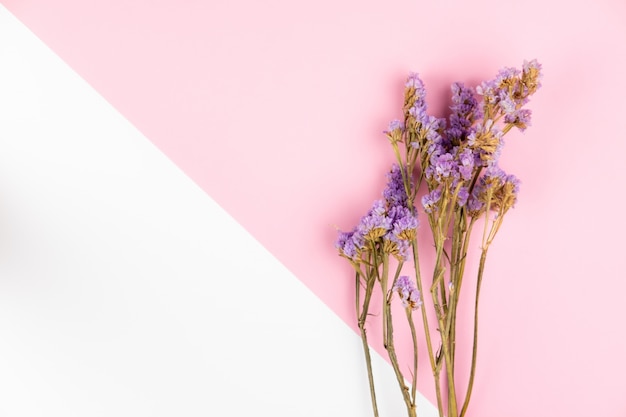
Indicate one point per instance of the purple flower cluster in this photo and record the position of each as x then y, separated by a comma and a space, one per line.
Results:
420, 127
395, 191
486, 142
459, 162
409, 295
350, 244
464, 111
395, 131
510, 91
457, 155
389, 225
502, 188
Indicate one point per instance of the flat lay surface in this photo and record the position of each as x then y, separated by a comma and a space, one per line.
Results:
162, 159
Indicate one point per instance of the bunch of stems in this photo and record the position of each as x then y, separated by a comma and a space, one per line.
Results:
418, 144
451, 226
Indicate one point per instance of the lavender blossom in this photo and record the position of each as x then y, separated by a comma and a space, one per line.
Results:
415, 83
395, 125
396, 247
419, 125
475, 205
519, 118
466, 161
415, 96
395, 192
514, 181
394, 131
489, 91
350, 244
442, 167
507, 104
378, 208
430, 200
506, 196
486, 141
376, 223
464, 112
502, 188
494, 176
531, 74
507, 76
409, 295
462, 196
404, 223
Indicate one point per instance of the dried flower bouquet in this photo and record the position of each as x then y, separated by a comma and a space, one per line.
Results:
456, 162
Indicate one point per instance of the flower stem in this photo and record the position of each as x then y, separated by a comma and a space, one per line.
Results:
441, 315
361, 321
388, 339
409, 317
429, 344
470, 385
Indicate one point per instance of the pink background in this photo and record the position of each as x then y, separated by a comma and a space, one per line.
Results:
275, 109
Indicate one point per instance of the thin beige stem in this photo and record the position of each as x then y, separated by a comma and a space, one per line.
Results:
361, 322
429, 344
388, 338
470, 385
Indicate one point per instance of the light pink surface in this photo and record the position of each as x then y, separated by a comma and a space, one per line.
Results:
275, 109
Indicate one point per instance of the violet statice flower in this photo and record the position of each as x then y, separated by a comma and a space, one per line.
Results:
396, 246
394, 131
376, 223
507, 104
404, 223
499, 92
475, 205
395, 125
507, 76
519, 118
350, 244
505, 197
442, 167
487, 142
395, 192
531, 74
514, 181
464, 103
414, 81
510, 91
378, 208
432, 125
430, 200
419, 125
462, 196
494, 176
489, 91
415, 97
409, 295
502, 188
466, 161
464, 112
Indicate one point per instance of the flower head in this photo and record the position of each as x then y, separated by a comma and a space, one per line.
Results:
414, 94
409, 295
404, 223
376, 223
464, 111
394, 131
495, 188
430, 200
350, 244
519, 118
531, 74
395, 192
